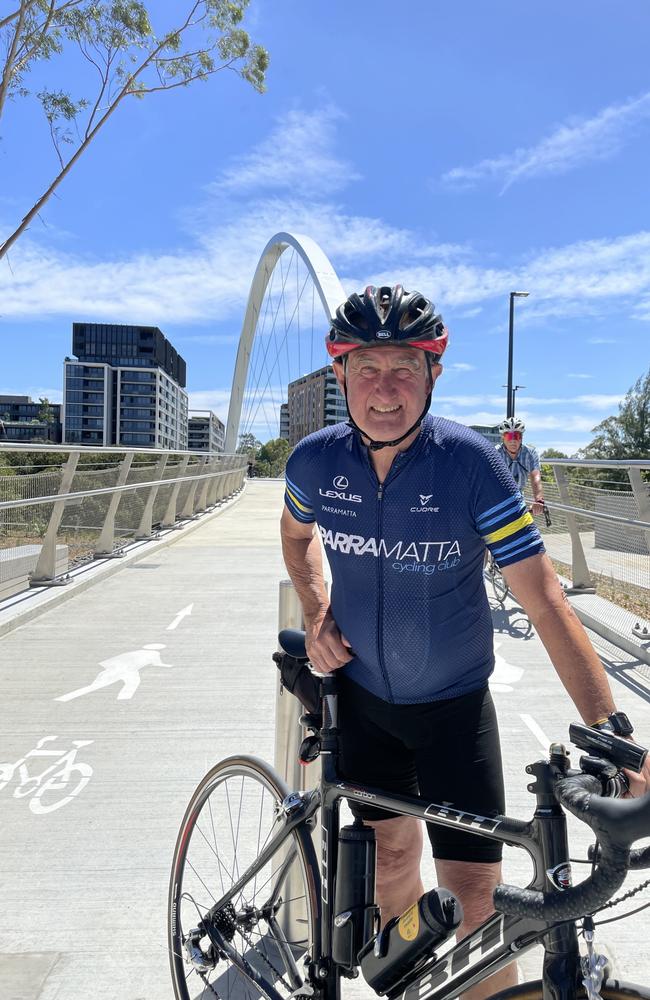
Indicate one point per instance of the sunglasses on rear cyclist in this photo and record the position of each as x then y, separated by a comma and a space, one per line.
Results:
512, 436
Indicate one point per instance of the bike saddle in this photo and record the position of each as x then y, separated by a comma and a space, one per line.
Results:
292, 641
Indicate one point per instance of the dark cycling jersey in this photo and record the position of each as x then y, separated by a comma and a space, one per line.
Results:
521, 466
407, 556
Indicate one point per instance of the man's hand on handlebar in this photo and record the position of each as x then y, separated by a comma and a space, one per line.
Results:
326, 647
537, 507
639, 782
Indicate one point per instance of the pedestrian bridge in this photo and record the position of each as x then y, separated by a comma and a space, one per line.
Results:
139, 607
120, 694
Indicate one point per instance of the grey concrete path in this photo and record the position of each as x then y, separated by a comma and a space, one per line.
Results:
147, 679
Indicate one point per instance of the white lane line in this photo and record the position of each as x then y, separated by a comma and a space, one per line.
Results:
537, 731
179, 617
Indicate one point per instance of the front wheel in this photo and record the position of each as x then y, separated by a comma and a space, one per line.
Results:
253, 945
612, 989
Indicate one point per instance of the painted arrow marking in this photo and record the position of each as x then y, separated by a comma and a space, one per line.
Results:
179, 617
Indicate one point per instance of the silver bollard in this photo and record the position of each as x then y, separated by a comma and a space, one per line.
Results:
288, 737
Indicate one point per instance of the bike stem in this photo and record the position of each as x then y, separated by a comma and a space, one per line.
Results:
561, 955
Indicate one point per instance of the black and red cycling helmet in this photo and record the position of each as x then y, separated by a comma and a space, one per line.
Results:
386, 315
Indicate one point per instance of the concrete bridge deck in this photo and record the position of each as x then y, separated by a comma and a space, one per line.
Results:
85, 886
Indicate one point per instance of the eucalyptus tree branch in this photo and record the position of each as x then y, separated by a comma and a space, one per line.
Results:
28, 3
11, 55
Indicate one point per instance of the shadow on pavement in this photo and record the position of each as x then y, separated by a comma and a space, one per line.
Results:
511, 621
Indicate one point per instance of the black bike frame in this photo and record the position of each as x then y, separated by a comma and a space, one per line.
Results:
498, 941
455, 967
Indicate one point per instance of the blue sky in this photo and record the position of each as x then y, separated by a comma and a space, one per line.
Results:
464, 149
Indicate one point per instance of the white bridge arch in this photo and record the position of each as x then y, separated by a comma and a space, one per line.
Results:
327, 285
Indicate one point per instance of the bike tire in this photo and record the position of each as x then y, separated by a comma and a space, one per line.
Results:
612, 989
229, 819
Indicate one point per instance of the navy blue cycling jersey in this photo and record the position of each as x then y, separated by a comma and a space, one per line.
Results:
407, 556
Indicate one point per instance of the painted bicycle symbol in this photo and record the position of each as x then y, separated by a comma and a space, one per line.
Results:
45, 789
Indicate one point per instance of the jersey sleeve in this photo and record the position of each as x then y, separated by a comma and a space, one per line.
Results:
501, 516
297, 492
534, 459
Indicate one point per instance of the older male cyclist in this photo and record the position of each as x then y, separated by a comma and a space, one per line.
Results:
521, 460
404, 504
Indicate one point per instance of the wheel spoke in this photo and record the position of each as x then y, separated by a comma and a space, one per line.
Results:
269, 923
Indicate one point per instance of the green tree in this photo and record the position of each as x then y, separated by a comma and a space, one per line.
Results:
127, 58
272, 458
628, 434
46, 413
248, 445
547, 470
625, 436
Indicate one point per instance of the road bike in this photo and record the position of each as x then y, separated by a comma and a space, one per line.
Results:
253, 913
494, 576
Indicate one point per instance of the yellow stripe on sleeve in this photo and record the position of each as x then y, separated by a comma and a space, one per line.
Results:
510, 529
300, 506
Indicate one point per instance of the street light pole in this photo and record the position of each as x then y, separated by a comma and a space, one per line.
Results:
514, 394
510, 398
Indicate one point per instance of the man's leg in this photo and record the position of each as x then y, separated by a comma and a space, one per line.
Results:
473, 883
399, 851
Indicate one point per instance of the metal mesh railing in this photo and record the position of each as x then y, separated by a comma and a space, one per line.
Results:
599, 540
88, 505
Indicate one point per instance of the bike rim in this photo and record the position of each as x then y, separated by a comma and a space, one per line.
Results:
269, 925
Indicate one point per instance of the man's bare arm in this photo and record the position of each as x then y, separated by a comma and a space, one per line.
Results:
536, 587
304, 561
538, 492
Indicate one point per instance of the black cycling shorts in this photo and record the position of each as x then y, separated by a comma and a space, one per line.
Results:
446, 751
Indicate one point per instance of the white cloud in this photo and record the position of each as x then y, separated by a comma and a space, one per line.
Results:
594, 401
460, 366
206, 277
569, 146
578, 375
297, 156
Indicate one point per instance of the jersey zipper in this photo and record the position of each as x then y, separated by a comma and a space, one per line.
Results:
381, 489
380, 594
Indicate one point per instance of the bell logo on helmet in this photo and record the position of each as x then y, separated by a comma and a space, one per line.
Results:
383, 334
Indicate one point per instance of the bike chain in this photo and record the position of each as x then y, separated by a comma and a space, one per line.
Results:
245, 962
268, 962
624, 898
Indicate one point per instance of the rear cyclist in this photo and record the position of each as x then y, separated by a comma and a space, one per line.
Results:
521, 460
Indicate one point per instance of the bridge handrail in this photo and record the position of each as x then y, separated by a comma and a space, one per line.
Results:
109, 490
212, 478
596, 463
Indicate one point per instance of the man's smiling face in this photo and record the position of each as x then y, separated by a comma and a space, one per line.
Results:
387, 388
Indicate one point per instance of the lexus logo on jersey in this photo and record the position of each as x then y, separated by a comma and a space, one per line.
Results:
340, 484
